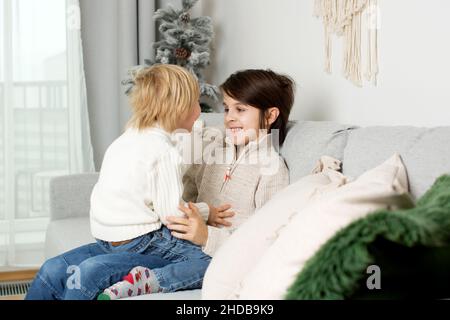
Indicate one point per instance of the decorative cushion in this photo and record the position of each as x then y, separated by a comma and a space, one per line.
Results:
411, 248
240, 253
385, 186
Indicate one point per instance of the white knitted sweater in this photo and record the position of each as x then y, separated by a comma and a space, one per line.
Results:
140, 184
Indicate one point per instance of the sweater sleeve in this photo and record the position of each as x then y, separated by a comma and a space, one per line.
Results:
267, 187
216, 237
168, 186
270, 184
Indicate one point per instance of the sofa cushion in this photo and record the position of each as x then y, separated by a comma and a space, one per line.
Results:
67, 234
410, 248
425, 152
70, 195
260, 231
307, 141
385, 186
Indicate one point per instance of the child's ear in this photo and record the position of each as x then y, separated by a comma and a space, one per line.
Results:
272, 115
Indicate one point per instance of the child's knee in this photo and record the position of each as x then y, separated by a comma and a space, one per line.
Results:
91, 269
204, 264
53, 268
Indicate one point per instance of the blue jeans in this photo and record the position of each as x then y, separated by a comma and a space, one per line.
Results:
83, 273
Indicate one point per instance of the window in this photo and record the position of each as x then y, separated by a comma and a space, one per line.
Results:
36, 126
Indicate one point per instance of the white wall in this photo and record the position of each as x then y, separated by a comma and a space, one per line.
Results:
413, 85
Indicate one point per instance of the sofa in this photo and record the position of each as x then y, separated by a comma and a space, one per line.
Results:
425, 152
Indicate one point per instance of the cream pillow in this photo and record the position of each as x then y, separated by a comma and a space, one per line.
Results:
247, 244
385, 186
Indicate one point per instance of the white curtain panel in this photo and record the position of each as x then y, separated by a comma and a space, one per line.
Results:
44, 125
81, 155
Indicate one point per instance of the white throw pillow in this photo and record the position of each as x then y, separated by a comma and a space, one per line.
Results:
385, 186
247, 244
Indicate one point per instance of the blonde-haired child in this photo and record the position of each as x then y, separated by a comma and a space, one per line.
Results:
244, 168
139, 186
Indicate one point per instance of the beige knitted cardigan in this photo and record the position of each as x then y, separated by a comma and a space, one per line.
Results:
254, 180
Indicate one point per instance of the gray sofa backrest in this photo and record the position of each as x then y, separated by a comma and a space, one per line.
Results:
307, 141
425, 151
70, 195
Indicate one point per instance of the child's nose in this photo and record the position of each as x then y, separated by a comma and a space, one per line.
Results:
230, 116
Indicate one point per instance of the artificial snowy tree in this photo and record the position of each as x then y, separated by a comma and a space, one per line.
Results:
185, 42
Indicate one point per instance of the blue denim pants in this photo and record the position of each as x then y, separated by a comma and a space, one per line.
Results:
83, 273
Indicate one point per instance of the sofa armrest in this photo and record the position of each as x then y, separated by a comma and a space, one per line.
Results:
70, 195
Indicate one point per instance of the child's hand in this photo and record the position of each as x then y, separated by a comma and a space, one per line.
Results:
218, 215
192, 228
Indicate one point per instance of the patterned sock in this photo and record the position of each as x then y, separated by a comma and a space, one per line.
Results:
139, 281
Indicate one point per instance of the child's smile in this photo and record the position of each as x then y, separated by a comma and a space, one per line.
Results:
241, 121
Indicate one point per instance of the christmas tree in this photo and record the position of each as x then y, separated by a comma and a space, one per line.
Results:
185, 42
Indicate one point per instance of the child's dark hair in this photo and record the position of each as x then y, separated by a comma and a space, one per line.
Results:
263, 89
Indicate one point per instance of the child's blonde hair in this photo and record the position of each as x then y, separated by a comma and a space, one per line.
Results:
162, 95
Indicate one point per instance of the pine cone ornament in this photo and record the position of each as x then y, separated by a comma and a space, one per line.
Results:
185, 17
182, 53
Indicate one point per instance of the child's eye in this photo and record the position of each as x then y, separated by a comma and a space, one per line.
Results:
226, 110
240, 110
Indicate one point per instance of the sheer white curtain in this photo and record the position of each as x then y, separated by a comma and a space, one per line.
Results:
44, 127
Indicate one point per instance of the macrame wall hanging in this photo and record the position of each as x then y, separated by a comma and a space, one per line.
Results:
346, 19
